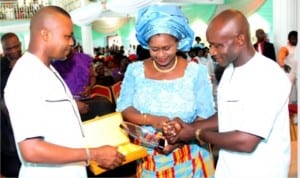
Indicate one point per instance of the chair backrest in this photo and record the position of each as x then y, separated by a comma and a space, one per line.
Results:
116, 88
101, 90
293, 108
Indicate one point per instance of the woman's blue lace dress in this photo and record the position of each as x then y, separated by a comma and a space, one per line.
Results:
186, 97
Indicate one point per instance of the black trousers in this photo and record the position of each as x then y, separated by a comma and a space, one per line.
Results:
10, 165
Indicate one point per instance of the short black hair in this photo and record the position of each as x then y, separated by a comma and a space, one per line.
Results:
197, 38
8, 35
292, 33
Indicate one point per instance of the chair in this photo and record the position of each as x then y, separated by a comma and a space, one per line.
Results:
293, 111
116, 88
101, 90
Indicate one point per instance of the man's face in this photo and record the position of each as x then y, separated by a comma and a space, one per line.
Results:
260, 35
61, 39
293, 40
223, 48
12, 48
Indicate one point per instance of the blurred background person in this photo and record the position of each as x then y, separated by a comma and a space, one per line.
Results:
288, 61
78, 73
263, 46
10, 163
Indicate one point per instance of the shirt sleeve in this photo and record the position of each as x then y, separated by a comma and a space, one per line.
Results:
204, 95
283, 52
128, 88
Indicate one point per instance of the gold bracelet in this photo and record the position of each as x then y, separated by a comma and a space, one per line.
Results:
145, 119
88, 155
197, 136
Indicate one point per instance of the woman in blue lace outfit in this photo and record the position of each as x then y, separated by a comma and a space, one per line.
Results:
166, 86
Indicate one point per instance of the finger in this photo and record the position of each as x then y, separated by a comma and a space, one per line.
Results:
122, 157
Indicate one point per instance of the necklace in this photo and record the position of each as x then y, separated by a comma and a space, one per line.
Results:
165, 70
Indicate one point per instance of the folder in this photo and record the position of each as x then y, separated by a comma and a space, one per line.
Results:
105, 130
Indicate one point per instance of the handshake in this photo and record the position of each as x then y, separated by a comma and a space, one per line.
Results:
176, 131
174, 134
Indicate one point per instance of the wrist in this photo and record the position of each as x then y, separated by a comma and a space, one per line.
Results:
145, 119
88, 156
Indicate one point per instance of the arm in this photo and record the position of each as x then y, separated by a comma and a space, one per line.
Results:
272, 53
37, 150
92, 76
92, 81
177, 131
283, 52
3, 107
132, 115
233, 140
82, 107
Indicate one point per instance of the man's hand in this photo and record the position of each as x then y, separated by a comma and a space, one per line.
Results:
287, 68
176, 131
107, 156
82, 107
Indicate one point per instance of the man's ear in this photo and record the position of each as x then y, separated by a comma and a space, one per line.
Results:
45, 34
241, 39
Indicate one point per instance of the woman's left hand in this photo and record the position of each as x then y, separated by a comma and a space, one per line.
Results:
158, 123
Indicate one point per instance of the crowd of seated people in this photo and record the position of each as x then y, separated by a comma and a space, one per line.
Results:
78, 73
110, 64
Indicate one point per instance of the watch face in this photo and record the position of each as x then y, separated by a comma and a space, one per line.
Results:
147, 138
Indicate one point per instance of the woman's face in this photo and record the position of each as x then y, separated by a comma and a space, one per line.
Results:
163, 48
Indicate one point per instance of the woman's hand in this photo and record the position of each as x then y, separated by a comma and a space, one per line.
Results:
176, 131
157, 121
171, 128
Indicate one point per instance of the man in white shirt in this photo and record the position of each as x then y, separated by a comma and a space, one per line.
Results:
252, 125
44, 116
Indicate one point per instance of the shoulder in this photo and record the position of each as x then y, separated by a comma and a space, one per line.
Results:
196, 66
136, 64
284, 49
196, 69
135, 67
85, 55
80, 56
268, 44
266, 66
